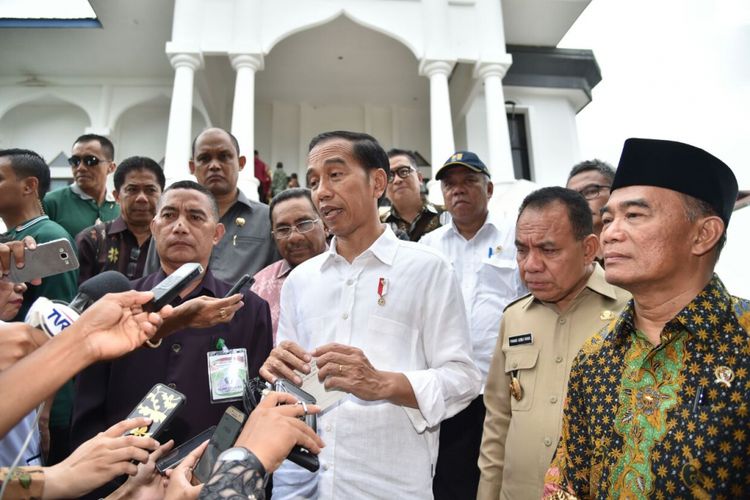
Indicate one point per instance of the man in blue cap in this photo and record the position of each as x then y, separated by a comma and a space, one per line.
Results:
657, 405
483, 253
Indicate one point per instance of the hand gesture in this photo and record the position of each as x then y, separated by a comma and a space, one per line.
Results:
283, 360
180, 487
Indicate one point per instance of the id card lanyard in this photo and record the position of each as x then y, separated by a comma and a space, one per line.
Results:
227, 372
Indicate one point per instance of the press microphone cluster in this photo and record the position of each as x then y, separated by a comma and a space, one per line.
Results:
54, 316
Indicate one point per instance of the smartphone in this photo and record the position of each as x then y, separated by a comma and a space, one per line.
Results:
299, 455
52, 257
177, 455
238, 286
172, 285
222, 439
160, 404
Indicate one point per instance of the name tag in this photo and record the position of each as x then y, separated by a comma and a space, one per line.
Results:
522, 339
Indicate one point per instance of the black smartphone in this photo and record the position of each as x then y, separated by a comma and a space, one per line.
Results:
172, 285
222, 439
299, 455
238, 286
160, 404
177, 455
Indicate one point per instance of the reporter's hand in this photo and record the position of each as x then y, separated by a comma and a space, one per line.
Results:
347, 368
180, 487
283, 360
100, 459
272, 430
17, 249
117, 324
204, 311
18, 340
148, 483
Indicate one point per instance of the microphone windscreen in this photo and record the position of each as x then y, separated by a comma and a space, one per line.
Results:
100, 285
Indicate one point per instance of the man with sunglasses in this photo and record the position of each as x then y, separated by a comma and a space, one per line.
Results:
299, 234
409, 211
122, 244
482, 251
86, 201
592, 178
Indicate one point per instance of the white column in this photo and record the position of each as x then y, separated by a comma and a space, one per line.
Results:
500, 161
243, 116
441, 121
177, 152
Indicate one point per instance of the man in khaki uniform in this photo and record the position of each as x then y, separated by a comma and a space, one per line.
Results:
540, 335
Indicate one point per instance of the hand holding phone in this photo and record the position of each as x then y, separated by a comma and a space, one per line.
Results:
172, 285
47, 259
160, 404
223, 438
177, 455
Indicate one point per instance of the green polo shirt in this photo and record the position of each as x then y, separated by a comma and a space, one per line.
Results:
59, 286
75, 210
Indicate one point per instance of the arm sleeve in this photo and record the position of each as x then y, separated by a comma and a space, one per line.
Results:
451, 380
496, 422
236, 479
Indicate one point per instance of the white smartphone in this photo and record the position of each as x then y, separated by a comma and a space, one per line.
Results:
47, 259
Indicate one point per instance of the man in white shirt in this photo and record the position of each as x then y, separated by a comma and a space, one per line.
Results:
360, 311
483, 254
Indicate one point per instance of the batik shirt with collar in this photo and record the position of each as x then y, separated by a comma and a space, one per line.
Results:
427, 220
669, 421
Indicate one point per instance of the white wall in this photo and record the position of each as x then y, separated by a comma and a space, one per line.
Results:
552, 134
46, 129
284, 130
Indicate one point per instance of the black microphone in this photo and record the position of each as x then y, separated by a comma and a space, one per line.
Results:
97, 287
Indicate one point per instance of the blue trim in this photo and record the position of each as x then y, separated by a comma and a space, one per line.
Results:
49, 23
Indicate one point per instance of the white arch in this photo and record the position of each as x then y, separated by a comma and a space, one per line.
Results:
40, 95
352, 17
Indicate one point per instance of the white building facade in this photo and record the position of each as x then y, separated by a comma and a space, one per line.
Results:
432, 76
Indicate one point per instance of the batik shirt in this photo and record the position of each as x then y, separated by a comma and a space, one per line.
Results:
669, 421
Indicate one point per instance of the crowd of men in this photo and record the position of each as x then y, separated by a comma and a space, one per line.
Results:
584, 348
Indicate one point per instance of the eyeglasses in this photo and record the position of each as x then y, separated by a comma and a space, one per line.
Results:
304, 226
88, 160
402, 172
592, 191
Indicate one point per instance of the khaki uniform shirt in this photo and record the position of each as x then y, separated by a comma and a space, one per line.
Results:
520, 436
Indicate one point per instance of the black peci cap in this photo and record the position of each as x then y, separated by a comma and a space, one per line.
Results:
679, 167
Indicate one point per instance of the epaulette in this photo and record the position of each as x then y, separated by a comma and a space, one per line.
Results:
519, 299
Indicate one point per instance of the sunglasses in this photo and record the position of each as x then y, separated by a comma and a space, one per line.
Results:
88, 160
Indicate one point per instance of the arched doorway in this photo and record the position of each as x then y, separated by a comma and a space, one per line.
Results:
339, 75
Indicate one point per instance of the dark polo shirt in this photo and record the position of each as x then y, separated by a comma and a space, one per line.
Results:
107, 392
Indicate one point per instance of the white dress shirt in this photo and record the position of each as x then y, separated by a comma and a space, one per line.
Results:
376, 449
487, 270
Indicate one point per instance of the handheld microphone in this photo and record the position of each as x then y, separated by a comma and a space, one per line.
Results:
52, 316
97, 287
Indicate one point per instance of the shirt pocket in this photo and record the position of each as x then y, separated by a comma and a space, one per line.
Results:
390, 345
495, 274
523, 362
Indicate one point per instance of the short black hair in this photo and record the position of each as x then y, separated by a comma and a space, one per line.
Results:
232, 138
107, 147
403, 152
26, 163
367, 150
579, 213
290, 194
279, 164
600, 166
138, 163
187, 184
